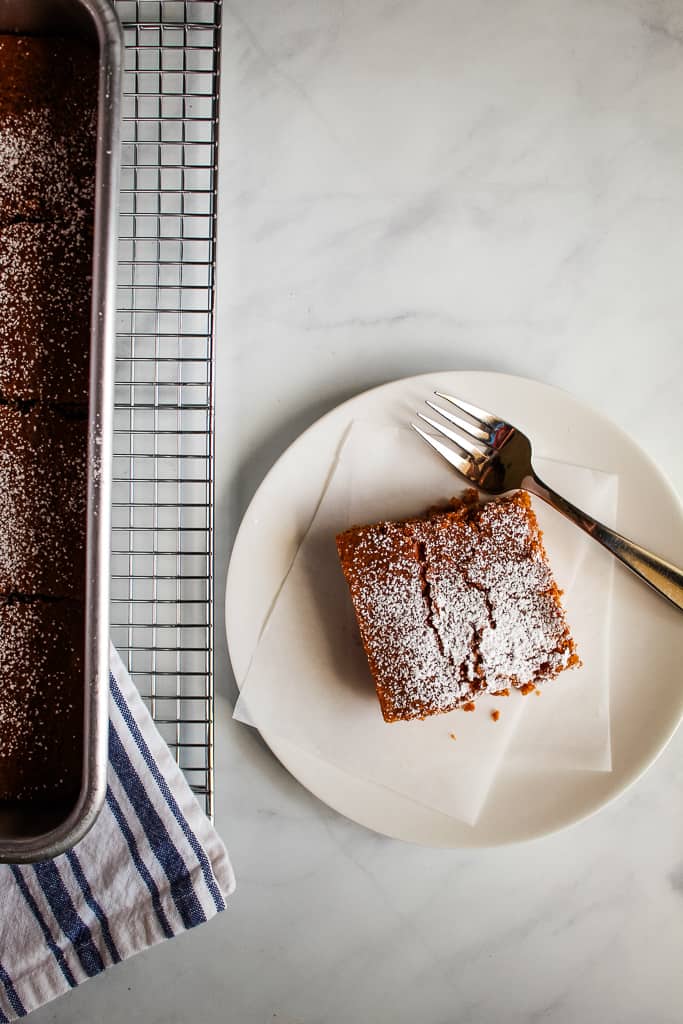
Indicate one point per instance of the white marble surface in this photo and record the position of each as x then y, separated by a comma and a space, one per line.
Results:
411, 185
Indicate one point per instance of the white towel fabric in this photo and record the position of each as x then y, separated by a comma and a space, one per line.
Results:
151, 866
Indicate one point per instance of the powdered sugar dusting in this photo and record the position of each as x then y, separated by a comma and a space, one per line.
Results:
39, 642
47, 128
454, 605
45, 296
42, 502
43, 175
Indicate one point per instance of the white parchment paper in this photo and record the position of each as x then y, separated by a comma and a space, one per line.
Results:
309, 682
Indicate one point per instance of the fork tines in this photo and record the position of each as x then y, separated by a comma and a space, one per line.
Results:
465, 430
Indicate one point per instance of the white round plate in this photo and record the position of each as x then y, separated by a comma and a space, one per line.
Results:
647, 648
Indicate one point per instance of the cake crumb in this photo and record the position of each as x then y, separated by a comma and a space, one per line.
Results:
501, 693
495, 714
527, 688
452, 736
538, 693
469, 706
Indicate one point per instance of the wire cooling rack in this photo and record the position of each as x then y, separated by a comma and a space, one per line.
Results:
162, 543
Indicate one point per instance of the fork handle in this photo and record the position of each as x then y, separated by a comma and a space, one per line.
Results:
665, 578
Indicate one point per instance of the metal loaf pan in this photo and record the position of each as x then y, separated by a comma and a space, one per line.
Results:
33, 832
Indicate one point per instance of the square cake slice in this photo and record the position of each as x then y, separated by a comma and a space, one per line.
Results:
455, 604
48, 128
45, 294
41, 698
43, 496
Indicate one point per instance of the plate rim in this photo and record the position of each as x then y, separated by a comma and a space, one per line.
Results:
276, 744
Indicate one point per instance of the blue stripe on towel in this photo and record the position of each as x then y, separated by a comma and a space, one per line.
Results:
14, 1000
72, 925
52, 945
139, 863
182, 890
167, 794
79, 875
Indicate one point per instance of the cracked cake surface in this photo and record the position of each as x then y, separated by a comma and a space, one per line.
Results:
455, 604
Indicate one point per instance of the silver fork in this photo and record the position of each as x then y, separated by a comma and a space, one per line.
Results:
496, 457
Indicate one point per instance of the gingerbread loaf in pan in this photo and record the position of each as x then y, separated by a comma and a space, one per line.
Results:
48, 109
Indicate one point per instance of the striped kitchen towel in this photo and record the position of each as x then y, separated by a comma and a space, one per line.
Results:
151, 866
